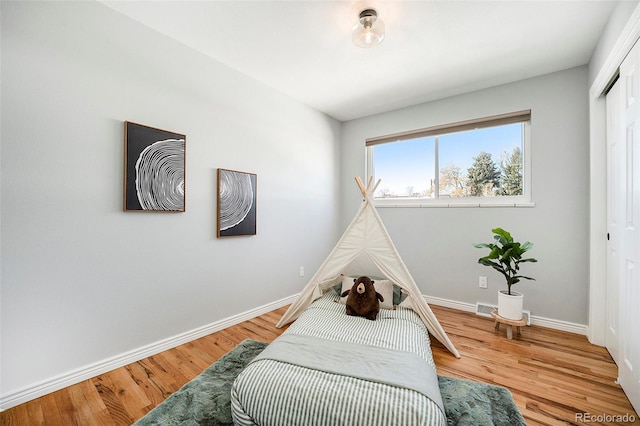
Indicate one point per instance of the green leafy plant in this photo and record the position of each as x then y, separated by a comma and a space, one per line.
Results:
505, 256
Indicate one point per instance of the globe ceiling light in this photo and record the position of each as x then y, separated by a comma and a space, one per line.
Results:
369, 31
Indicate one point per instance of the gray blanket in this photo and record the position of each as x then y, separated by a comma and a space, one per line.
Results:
373, 363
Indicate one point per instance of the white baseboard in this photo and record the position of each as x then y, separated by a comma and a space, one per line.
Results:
535, 320
453, 304
44, 387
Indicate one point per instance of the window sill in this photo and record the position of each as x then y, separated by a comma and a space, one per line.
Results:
440, 204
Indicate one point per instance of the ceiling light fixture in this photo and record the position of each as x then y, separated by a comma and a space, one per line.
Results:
369, 31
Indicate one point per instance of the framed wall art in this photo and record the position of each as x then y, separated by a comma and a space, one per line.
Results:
237, 195
154, 169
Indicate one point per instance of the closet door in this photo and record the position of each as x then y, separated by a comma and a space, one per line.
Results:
629, 272
615, 176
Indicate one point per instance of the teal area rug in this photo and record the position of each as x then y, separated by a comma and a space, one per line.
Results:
205, 400
468, 403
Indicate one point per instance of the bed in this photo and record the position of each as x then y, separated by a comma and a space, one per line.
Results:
329, 368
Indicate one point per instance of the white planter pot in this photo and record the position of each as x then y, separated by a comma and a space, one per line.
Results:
510, 306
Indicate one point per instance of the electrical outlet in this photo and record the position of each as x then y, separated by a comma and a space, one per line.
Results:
302, 271
482, 282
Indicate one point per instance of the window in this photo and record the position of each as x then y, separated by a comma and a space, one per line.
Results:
477, 162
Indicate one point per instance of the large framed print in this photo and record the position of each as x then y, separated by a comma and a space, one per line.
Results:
154, 169
237, 196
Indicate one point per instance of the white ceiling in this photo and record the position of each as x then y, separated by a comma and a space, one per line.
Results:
433, 49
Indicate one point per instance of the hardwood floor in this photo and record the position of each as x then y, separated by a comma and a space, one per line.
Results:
555, 377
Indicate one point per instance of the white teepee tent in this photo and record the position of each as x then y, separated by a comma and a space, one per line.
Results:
365, 248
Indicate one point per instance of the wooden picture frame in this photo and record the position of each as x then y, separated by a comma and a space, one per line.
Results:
154, 169
237, 197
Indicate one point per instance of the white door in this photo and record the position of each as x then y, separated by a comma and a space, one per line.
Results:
615, 174
629, 231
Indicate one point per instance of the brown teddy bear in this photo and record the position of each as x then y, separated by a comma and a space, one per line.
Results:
363, 300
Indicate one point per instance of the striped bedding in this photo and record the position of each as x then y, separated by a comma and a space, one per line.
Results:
270, 392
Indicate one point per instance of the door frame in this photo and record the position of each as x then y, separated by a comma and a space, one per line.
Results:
596, 330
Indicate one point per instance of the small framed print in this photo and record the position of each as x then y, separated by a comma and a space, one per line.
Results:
237, 196
154, 169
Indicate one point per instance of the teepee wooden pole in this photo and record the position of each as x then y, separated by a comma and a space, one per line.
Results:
373, 191
366, 191
361, 186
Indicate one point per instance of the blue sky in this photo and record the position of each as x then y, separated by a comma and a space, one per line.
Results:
411, 162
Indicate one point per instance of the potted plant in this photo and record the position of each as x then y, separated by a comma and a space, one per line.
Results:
505, 256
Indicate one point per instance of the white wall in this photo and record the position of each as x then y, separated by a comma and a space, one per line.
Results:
617, 21
437, 243
82, 281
